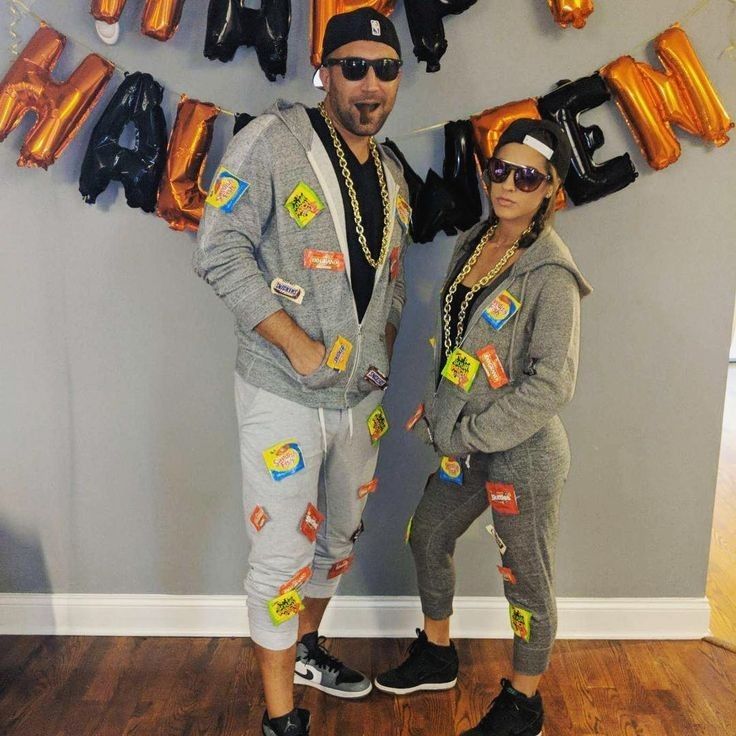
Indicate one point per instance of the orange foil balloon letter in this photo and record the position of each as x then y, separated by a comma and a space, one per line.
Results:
323, 10
651, 101
108, 11
571, 12
61, 107
490, 124
160, 17
180, 196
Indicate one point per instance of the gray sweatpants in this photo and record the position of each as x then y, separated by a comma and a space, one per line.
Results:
303, 502
523, 487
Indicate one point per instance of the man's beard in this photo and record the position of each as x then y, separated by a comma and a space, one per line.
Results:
366, 123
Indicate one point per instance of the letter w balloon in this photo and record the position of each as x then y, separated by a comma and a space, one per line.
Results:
61, 107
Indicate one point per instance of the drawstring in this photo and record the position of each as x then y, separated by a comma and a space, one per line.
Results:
516, 324
467, 462
350, 422
323, 427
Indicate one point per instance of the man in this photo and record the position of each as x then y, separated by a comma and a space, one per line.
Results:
303, 238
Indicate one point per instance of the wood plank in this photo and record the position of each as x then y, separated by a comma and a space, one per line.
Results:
76, 686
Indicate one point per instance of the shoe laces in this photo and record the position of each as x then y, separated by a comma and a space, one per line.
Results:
414, 650
323, 658
504, 700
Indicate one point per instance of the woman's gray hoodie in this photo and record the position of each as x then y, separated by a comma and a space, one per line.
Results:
537, 348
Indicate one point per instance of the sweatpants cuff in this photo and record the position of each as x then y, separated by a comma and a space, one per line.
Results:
320, 587
436, 611
263, 631
527, 661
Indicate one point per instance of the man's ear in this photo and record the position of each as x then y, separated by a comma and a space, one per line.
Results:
324, 75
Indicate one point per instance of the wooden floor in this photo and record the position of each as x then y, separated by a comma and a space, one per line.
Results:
721, 589
97, 686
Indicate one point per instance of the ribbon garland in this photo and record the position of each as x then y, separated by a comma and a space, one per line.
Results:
17, 8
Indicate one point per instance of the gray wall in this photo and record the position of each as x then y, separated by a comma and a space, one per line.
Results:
118, 458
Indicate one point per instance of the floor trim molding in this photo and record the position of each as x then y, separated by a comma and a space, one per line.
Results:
348, 616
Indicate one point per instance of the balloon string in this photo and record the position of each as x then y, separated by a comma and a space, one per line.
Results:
730, 51
15, 16
17, 7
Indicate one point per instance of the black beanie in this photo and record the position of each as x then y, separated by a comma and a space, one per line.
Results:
364, 24
543, 136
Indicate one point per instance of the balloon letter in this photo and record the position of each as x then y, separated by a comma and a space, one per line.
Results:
61, 107
586, 180
428, 31
323, 10
137, 101
651, 100
108, 11
181, 197
230, 25
160, 17
571, 12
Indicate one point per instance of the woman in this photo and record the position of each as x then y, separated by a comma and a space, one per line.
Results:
506, 353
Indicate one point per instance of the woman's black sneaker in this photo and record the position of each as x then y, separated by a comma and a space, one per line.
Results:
428, 667
511, 714
295, 723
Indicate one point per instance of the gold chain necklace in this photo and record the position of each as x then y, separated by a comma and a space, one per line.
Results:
359, 229
477, 286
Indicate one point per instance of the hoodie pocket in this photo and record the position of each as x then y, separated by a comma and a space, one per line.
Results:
446, 410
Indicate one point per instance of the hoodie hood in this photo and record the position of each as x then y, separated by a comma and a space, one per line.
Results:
549, 250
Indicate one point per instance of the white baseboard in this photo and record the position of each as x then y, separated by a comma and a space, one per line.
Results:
348, 616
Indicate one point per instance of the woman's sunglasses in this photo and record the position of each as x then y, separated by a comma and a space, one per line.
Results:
354, 68
526, 178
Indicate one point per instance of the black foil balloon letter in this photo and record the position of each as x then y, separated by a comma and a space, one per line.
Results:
241, 120
230, 24
138, 101
459, 171
427, 30
450, 202
413, 180
586, 180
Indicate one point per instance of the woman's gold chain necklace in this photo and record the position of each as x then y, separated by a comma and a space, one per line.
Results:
477, 286
359, 229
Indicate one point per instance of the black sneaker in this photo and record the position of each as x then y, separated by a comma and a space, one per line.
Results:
316, 667
511, 714
428, 667
295, 723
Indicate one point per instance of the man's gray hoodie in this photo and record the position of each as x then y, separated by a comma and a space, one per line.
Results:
537, 348
245, 253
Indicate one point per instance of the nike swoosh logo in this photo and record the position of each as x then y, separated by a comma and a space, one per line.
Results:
308, 675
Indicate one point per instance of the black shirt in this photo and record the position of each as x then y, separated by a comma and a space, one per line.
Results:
368, 191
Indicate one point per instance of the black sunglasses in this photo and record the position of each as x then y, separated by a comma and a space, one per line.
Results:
526, 178
355, 68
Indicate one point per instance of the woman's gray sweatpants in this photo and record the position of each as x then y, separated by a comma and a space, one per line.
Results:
523, 487
302, 519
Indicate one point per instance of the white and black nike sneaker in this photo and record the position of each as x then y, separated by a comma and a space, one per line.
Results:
428, 667
511, 714
295, 723
316, 667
